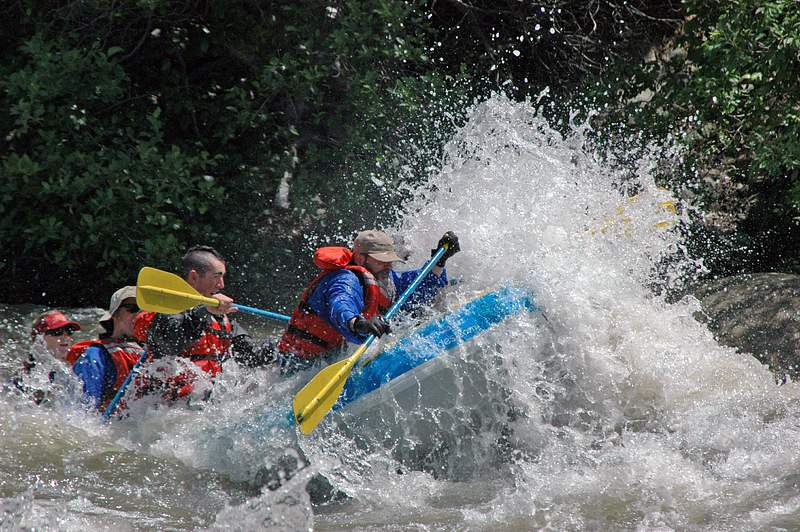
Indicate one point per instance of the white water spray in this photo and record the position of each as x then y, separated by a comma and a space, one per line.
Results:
625, 411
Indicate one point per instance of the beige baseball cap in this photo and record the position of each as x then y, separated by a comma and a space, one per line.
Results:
377, 245
116, 300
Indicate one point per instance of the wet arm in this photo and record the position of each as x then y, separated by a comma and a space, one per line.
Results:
338, 300
97, 372
427, 289
172, 334
249, 351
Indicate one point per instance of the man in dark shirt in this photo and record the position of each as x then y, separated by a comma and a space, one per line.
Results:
204, 334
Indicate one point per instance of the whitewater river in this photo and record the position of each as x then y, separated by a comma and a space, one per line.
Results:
613, 409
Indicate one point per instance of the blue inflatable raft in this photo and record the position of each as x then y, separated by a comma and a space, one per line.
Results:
409, 355
434, 338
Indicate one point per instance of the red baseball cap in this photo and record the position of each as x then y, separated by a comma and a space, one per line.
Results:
50, 320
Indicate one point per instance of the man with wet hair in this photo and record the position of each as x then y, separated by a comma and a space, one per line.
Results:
203, 334
200, 259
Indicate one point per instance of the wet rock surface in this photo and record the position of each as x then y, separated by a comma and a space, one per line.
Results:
758, 314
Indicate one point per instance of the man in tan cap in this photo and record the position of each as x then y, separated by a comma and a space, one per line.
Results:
346, 301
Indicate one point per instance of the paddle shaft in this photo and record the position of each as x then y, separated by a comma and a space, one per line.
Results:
215, 302
345, 370
121, 391
268, 314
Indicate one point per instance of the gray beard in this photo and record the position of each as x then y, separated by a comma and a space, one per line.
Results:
386, 285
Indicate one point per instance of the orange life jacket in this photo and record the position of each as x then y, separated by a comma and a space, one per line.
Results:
308, 335
124, 355
211, 349
208, 351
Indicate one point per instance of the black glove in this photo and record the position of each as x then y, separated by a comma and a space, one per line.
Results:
376, 325
451, 240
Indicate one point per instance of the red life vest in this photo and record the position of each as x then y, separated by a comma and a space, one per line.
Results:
208, 351
211, 349
308, 335
124, 355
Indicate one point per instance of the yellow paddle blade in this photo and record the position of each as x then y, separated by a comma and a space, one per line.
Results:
318, 396
621, 219
164, 292
315, 400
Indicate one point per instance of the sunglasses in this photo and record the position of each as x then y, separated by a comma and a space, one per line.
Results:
69, 331
133, 308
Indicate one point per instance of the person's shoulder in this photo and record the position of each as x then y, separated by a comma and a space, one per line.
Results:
95, 351
199, 312
336, 283
340, 276
78, 349
404, 274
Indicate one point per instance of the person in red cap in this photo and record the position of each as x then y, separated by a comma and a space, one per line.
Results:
55, 330
51, 333
346, 301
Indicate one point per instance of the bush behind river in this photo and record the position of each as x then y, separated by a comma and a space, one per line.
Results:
131, 132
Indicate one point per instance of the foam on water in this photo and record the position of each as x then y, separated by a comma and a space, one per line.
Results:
612, 409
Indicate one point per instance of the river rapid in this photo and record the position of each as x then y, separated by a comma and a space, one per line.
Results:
613, 408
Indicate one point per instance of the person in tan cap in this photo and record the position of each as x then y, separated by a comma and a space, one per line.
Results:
346, 301
103, 364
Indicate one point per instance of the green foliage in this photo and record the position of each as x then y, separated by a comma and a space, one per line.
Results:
547, 43
745, 92
133, 131
747, 57
89, 187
